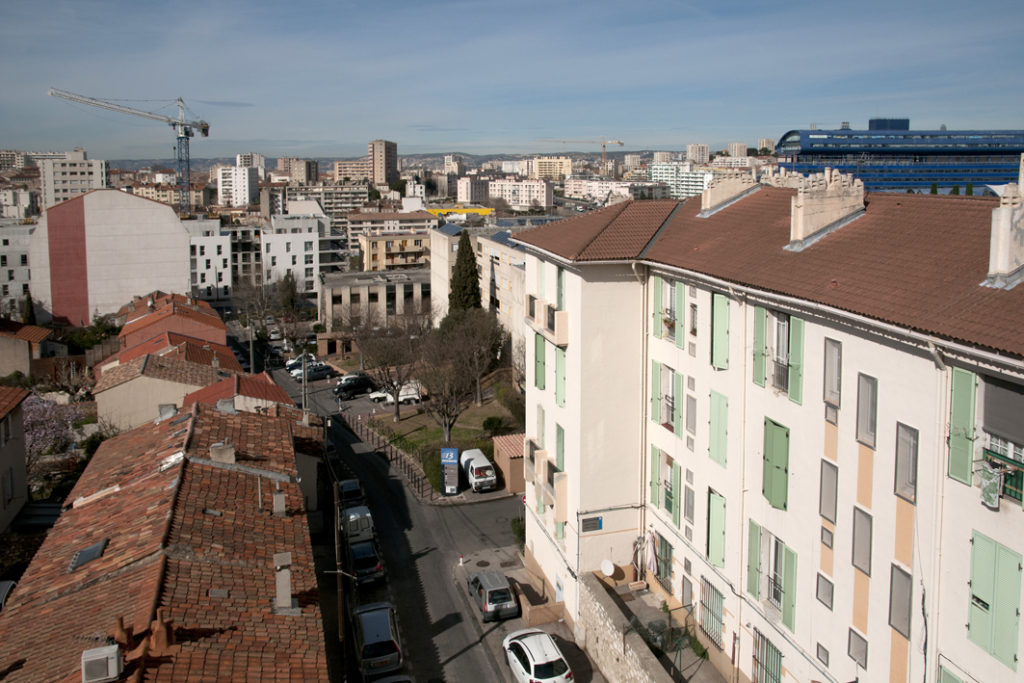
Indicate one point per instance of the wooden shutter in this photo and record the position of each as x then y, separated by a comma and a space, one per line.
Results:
1005, 618
720, 331
655, 391
961, 426
716, 529
775, 485
760, 346
796, 359
538, 364
655, 476
789, 589
680, 335
560, 376
718, 428
677, 491
754, 560
656, 308
677, 404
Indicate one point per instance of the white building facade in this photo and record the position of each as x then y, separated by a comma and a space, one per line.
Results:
472, 190
237, 185
682, 179
522, 195
698, 153
70, 175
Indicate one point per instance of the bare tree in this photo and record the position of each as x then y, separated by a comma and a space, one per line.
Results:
71, 375
478, 335
445, 376
391, 354
256, 302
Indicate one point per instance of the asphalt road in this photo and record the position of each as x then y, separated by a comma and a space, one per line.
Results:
421, 543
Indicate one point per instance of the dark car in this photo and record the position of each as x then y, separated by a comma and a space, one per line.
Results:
353, 385
350, 493
365, 562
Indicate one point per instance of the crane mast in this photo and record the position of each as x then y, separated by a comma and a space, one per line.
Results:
183, 130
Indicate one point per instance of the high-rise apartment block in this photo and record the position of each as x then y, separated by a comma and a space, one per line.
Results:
472, 190
683, 181
523, 195
70, 175
766, 143
237, 185
551, 168
354, 170
737, 149
453, 164
251, 159
664, 157
383, 155
698, 153
632, 162
300, 171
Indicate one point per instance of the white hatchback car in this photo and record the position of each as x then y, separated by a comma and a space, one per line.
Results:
533, 656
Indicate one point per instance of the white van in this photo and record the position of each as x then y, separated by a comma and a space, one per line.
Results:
478, 469
357, 524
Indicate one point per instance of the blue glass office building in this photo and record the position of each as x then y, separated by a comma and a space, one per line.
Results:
891, 157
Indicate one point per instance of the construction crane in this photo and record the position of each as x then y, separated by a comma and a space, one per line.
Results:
183, 129
603, 142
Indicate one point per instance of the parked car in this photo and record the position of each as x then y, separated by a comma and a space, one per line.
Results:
350, 493
478, 470
297, 361
493, 595
377, 642
411, 392
352, 385
318, 371
357, 524
533, 656
365, 562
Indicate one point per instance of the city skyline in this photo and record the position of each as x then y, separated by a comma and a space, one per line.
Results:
320, 79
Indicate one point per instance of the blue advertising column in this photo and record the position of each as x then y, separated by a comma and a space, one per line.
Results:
450, 470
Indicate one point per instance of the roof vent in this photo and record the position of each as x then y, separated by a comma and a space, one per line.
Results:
1006, 244
101, 664
222, 452
88, 554
167, 410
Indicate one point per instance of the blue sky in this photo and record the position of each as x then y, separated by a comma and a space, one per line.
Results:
323, 78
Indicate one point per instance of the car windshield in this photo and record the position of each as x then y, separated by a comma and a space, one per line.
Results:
550, 669
484, 472
500, 595
381, 649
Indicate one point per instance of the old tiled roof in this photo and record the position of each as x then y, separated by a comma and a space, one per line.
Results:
260, 386
916, 261
511, 444
160, 367
183, 537
29, 333
10, 397
166, 312
392, 216
181, 346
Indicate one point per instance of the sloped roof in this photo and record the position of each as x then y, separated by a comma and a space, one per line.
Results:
511, 444
261, 387
10, 398
29, 333
172, 310
190, 540
160, 367
178, 345
916, 261
139, 305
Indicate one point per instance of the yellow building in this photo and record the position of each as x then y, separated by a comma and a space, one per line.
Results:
394, 250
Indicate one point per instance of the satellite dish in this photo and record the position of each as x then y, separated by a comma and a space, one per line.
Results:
607, 568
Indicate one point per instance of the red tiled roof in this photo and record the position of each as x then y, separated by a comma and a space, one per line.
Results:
511, 444
211, 574
261, 387
391, 216
30, 333
10, 397
916, 261
172, 310
160, 367
181, 346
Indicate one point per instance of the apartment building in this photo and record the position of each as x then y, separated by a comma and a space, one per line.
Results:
382, 298
299, 171
237, 185
337, 202
699, 153
199, 195
472, 190
664, 157
68, 175
453, 165
293, 245
814, 443
394, 250
353, 170
13, 471
602, 190
523, 195
521, 167
383, 156
551, 168
252, 160
766, 143
18, 203
388, 224
15, 266
682, 179
737, 149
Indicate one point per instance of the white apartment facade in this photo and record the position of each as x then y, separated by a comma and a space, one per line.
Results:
737, 149
70, 175
698, 153
472, 190
522, 195
292, 245
602, 189
18, 203
237, 185
521, 167
551, 168
209, 260
682, 179
15, 266
811, 477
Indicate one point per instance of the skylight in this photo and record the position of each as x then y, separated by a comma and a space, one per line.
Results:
88, 554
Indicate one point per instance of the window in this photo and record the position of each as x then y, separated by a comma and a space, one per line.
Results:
822, 654
668, 398
901, 599
857, 648
693, 320
867, 397
780, 368
767, 660
24, 259
716, 529
219, 248
825, 591
719, 331
538, 361
287, 247
664, 563
688, 501
560, 289
993, 619
829, 488
273, 262
3, 260
293, 260
832, 390
905, 485
862, 540
775, 479
711, 611
559, 447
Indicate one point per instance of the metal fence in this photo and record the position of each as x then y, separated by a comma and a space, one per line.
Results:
408, 465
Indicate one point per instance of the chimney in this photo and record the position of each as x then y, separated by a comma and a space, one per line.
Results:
283, 601
824, 203
279, 506
725, 189
1006, 246
166, 411
222, 452
226, 406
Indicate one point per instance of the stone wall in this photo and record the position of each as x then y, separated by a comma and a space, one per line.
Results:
602, 632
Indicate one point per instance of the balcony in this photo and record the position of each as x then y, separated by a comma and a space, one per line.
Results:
780, 374
531, 454
545, 319
531, 306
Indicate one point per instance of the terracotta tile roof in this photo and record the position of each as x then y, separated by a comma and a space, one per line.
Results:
181, 346
916, 261
30, 333
10, 397
161, 314
511, 444
160, 367
261, 387
190, 541
393, 216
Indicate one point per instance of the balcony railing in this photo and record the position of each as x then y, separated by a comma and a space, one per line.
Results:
780, 375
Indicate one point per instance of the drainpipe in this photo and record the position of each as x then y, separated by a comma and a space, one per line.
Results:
642, 279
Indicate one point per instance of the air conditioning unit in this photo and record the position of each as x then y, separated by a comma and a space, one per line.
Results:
101, 664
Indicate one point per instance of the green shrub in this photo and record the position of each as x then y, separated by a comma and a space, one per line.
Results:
519, 530
92, 442
494, 425
513, 402
430, 459
85, 420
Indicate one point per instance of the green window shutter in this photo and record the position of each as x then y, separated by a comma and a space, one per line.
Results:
796, 360
677, 491
961, 426
538, 364
680, 314
655, 391
982, 591
656, 308
560, 447
655, 476
789, 590
947, 676
754, 560
720, 331
718, 428
1005, 618
559, 530
775, 484
716, 529
760, 346
559, 376
677, 407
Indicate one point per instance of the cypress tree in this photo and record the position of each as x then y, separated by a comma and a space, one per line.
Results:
935, 188
970, 190
465, 286
955, 190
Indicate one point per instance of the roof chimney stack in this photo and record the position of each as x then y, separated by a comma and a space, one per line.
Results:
824, 203
283, 601
1006, 245
725, 189
166, 411
222, 452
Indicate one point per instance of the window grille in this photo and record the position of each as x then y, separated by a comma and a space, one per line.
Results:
711, 612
